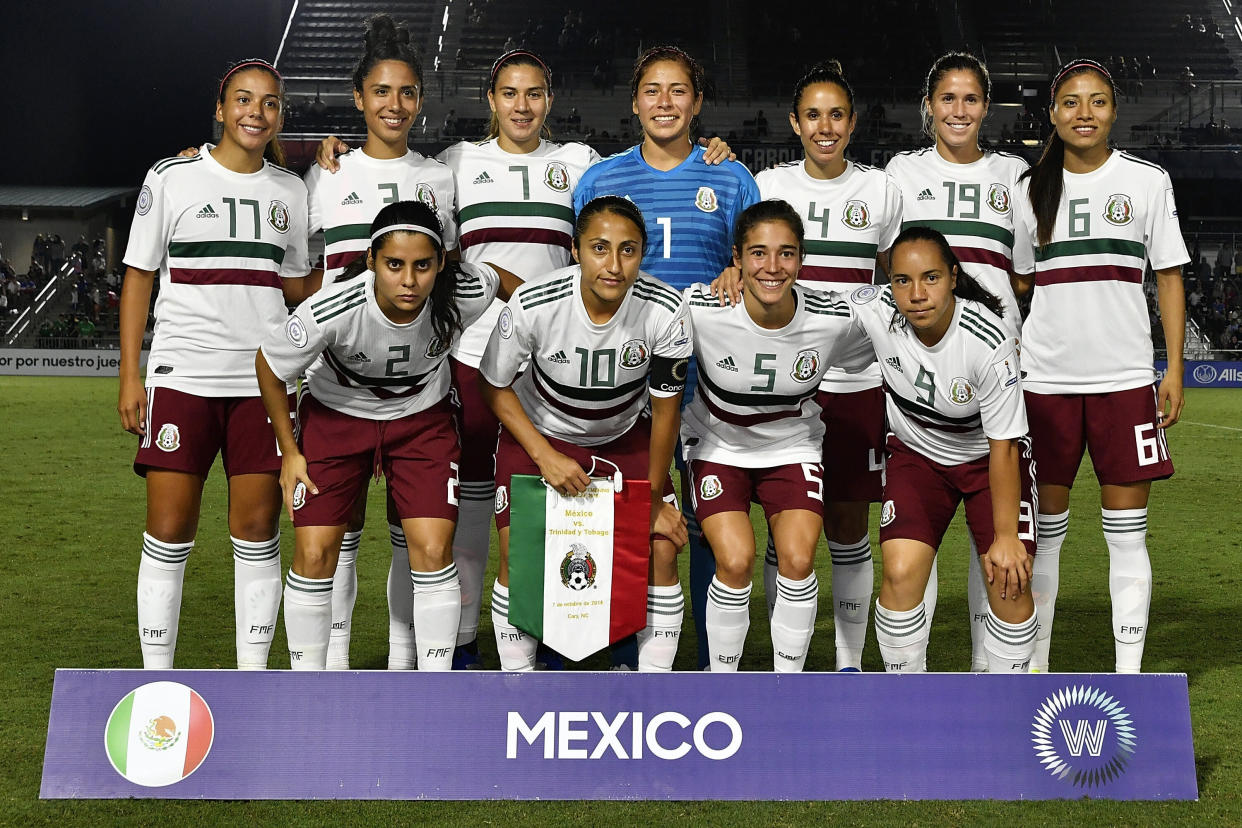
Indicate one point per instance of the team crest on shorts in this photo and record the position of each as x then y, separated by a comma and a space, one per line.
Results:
299, 496
1119, 210
865, 294
805, 365
888, 513
556, 177
578, 568
505, 323
710, 487
278, 216
855, 215
436, 348
961, 391
425, 194
168, 438
998, 198
634, 354
144, 200
296, 331
502, 498
706, 201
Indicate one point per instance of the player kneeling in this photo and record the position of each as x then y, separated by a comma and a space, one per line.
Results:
958, 428
753, 431
384, 330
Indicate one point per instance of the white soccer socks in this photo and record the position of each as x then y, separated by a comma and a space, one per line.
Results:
930, 593
161, 572
977, 603
470, 547
436, 610
728, 619
770, 571
657, 642
308, 620
1129, 583
903, 638
1045, 578
793, 622
400, 604
852, 581
515, 648
344, 594
256, 599
1009, 646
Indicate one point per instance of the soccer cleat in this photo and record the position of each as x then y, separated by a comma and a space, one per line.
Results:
548, 659
849, 670
466, 656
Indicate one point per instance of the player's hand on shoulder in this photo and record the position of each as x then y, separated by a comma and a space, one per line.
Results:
727, 287
188, 152
717, 151
329, 149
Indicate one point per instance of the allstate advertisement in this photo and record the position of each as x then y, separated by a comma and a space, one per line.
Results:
221, 734
1206, 374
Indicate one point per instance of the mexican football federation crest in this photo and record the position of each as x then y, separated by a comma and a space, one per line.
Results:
998, 198
888, 513
706, 201
278, 216
436, 348
578, 568
855, 215
805, 365
556, 177
634, 354
710, 487
961, 391
425, 194
168, 438
1119, 210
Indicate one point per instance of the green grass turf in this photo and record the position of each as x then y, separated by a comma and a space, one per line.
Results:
72, 516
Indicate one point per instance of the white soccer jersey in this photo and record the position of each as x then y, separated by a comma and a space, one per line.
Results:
945, 401
372, 367
516, 211
755, 404
222, 241
848, 221
972, 205
587, 383
1089, 331
343, 204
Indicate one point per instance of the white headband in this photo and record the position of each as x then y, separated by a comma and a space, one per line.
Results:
410, 228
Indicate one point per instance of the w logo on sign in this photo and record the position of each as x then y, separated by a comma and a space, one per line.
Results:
1074, 721
1084, 735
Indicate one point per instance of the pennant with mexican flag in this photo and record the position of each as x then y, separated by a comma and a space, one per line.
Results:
578, 565
159, 734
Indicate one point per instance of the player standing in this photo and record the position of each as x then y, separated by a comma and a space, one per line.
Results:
226, 231
967, 194
1089, 221
690, 207
753, 430
851, 213
957, 435
388, 91
380, 399
602, 341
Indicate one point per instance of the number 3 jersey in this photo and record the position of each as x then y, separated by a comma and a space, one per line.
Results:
755, 404
516, 210
343, 204
370, 366
222, 242
947, 400
587, 383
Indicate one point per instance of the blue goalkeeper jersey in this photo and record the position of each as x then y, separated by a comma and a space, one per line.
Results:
689, 210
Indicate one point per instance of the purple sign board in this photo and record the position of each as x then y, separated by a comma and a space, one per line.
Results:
220, 734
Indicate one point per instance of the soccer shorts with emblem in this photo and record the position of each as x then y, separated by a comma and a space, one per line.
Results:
721, 488
185, 432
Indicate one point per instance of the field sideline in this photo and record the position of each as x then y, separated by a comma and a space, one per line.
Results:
72, 522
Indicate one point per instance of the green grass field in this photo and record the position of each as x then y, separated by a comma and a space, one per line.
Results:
71, 532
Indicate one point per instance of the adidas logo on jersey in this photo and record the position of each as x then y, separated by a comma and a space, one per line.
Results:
483, 178
559, 358
358, 357
727, 364
894, 363
207, 212
350, 199
926, 195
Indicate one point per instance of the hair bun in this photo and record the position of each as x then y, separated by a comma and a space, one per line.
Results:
829, 65
382, 30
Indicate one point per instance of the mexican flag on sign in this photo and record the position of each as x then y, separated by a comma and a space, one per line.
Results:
159, 734
578, 565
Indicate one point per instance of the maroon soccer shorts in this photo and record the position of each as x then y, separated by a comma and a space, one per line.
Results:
185, 432
853, 445
477, 425
721, 488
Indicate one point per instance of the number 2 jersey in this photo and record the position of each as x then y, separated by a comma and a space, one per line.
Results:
947, 400
587, 383
848, 221
516, 210
344, 204
1089, 331
222, 242
369, 366
755, 404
